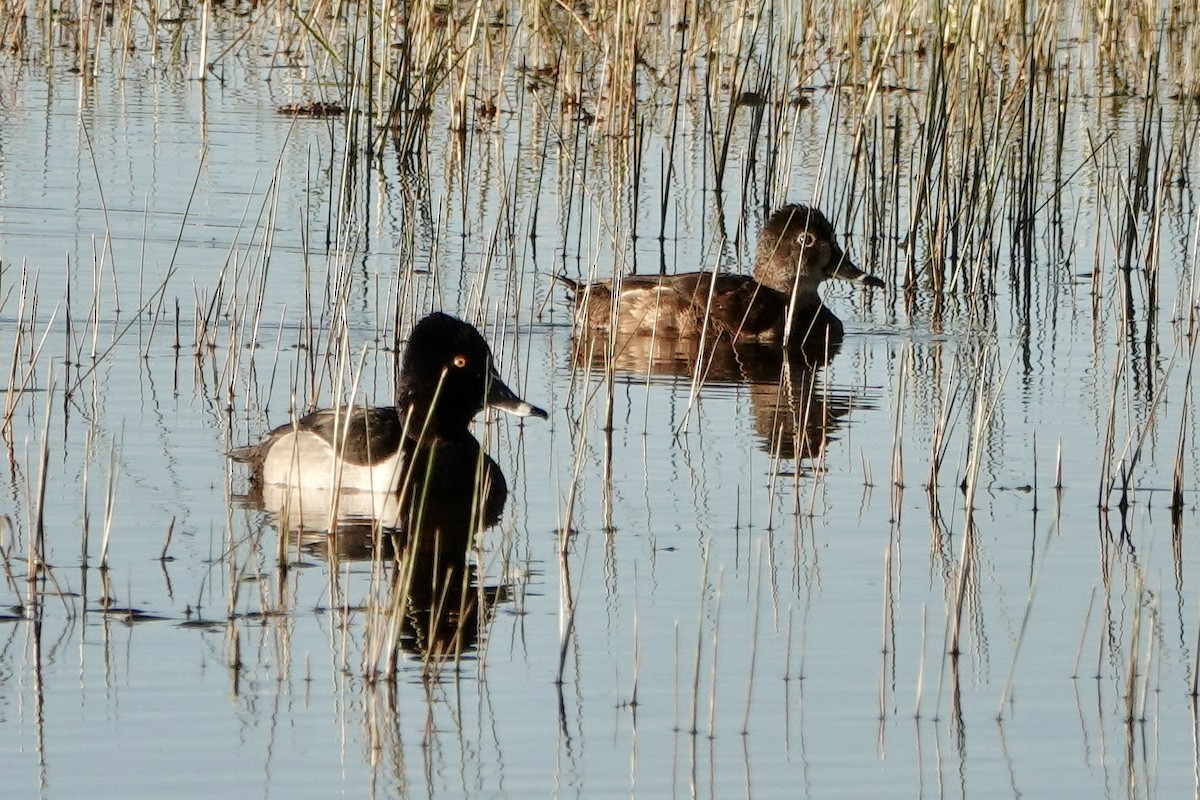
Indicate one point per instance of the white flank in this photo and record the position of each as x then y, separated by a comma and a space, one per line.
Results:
305, 461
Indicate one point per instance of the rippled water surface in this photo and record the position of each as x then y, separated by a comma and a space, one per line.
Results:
678, 601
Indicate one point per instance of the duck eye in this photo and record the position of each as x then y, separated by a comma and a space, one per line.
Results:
808, 239
459, 361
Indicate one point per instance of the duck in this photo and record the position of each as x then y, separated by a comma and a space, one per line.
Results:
419, 449
796, 252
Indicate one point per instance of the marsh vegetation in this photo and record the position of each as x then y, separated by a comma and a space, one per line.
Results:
958, 558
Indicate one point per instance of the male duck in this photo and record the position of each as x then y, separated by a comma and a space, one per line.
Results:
421, 447
796, 252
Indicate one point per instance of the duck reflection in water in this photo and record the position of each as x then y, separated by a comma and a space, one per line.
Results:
409, 481
796, 414
443, 608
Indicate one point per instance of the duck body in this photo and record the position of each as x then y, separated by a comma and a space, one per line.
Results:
360, 463
679, 305
797, 250
396, 463
353, 449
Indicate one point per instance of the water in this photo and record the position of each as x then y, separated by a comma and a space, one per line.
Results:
735, 623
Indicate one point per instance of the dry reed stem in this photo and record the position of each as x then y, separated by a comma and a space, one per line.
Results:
754, 637
35, 563
694, 725
716, 643
1083, 633
110, 501
920, 688
947, 414
965, 49
887, 631
637, 644
567, 607
897, 461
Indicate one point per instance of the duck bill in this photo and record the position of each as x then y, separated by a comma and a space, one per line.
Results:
501, 397
847, 271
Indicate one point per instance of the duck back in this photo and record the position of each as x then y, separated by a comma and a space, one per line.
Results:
680, 305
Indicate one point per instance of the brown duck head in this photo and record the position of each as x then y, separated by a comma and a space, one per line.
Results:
798, 250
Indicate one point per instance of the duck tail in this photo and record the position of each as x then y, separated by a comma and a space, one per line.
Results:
244, 454
570, 283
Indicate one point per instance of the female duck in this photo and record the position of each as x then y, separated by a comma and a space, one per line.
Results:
420, 448
796, 252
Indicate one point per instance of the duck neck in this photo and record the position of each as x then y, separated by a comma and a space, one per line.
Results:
424, 415
783, 278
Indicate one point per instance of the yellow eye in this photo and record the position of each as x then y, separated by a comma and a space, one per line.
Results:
460, 361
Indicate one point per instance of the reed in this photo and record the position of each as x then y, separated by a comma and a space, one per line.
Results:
1195, 687
920, 687
1137, 667
1087, 617
36, 568
754, 638
677, 679
694, 722
17, 388
636, 667
947, 413
164, 557
716, 648
110, 502
1192, 334
887, 632
953, 126
567, 608
897, 462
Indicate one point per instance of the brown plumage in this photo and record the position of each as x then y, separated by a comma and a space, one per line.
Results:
796, 252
